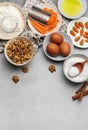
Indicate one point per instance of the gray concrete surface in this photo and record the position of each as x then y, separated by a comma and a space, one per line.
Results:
40, 100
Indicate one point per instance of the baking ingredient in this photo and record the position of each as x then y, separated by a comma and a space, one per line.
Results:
25, 69
82, 42
75, 29
81, 24
86, 25
65, 49
85, 36
53, 49
81, 92
86, 33
71, 8
86, 40
77, 38
11, 19
73, 71
72, 33
19, 50
52, 68
52, 23
77, 25
56, 38
15, 78
71, 61
81, 32
9, 23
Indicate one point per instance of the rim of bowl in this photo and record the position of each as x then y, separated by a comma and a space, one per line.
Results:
7, 57
77, 54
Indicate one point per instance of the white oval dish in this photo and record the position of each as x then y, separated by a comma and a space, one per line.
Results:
58, 25
59, 57
84, 9
72, 60
70, 26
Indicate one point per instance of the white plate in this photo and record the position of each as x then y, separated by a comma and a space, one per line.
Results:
84, 9
70, 26
6, 10
50, 7
59, 57
69, 62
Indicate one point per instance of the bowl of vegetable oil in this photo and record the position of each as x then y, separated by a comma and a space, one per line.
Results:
72, 9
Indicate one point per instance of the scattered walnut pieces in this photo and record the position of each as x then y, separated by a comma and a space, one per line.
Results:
20, 50
15, 78
52, 68
25, 69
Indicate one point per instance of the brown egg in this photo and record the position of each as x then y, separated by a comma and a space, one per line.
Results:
65, 49
56, 38
53, 49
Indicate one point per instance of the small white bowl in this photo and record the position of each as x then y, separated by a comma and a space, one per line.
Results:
12, 40
66, 39
83, 76
84, 9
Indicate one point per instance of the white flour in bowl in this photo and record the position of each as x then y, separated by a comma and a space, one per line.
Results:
12, 21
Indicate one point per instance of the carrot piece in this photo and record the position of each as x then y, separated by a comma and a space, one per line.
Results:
82, 42
72, 33
86, 33
86, 40
38, 27
77, 25
86, 36
81, 24
75, 29
81, 32
86, 25
77, 38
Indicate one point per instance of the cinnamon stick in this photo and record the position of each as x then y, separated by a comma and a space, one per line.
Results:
75, 97
81, 88
82, 93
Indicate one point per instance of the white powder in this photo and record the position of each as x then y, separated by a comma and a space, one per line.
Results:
12, 18
9, 24
73, 71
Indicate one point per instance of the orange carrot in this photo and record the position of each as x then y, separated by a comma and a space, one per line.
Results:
81, 24
77, 38
81, 32
86, 33
75, 29
38, 27
86, 25
52, 23
86, 36
77, 25
86, 40
72, 33
82, 42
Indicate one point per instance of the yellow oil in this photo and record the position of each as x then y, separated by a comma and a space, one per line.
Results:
71, 7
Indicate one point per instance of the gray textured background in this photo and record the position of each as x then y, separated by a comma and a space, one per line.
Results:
40, 100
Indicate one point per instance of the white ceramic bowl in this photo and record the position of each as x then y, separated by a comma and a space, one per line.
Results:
84, 9
59, 57
75, 58
12, 40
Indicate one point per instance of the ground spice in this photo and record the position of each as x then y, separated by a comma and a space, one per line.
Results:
15, 78
52, 68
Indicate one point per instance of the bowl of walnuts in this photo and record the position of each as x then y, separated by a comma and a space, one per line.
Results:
19, 51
